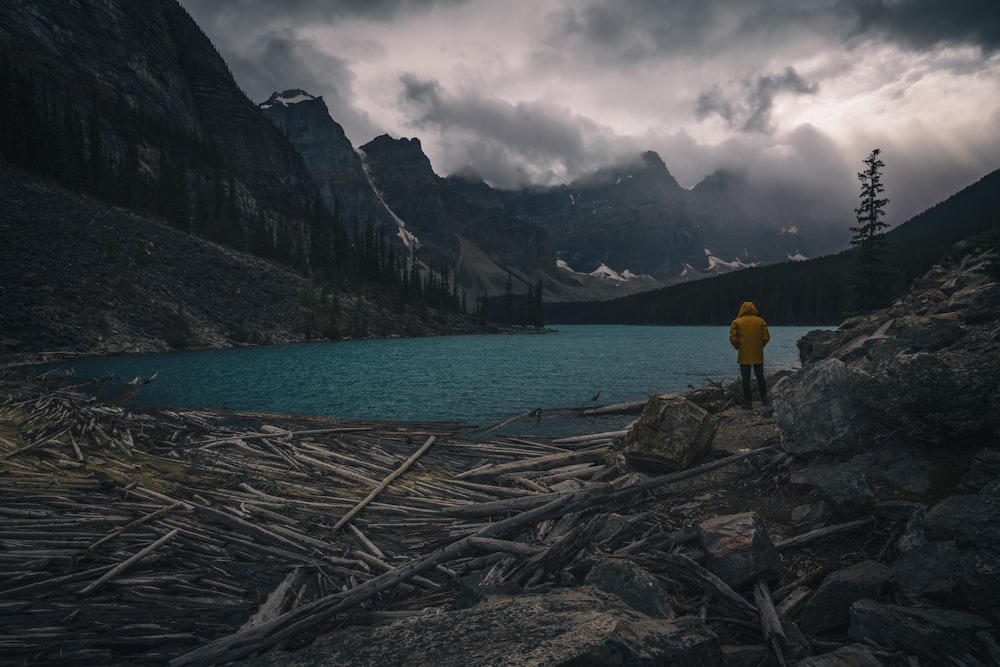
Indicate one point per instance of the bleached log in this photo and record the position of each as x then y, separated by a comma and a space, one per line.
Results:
683, 566
308, 617
774, 634
548, 461
385, 482
368, 544
277, 601
576, 439
243, 526
633, 407
821, 533
141, 520
506, 546
793, 601
121, 567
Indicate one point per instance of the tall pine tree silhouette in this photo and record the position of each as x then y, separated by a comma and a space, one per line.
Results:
872, 281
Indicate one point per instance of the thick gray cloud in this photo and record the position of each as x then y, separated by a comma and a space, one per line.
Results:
924, 24
301, 12
793, 92
751, 111
511, 145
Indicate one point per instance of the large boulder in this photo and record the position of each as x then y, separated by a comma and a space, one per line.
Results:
932, 633
739, 550
830, 607
581, 626
852, 655
670, 434
843, 486
815, 411
636, 587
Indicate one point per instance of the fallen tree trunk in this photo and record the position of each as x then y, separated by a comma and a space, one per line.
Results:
307, 618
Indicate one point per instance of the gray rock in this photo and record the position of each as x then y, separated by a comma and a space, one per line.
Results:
897, 511
829, 607
980, 581
972, 521
810, 516
739, 550
814, 411
563, 628
842, 485
930, 571
852, 655
636, 587
817, 345
983, 469
929, 333
977, 303
750, 655
669, 435
897, 464
931, 633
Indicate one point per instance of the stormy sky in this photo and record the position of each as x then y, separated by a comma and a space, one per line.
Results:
791, 93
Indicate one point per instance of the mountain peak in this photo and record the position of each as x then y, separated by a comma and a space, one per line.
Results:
288, 98
653, 159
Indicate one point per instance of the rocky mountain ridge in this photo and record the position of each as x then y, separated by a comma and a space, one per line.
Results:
151, 88
634, 218
116, 282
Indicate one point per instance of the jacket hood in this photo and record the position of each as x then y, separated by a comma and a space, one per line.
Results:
747, 309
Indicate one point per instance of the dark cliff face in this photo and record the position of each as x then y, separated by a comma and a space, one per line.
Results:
632, 216
450, 214
336, 167
152, 78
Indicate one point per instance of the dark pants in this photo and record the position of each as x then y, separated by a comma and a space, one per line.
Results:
758, 370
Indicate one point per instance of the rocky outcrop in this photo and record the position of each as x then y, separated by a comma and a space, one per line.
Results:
582, 626
670, 434
335, 166
739, 550
459, 222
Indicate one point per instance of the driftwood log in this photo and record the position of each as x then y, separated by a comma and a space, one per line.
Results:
205, 537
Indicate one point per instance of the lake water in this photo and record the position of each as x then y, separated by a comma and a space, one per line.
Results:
472, 379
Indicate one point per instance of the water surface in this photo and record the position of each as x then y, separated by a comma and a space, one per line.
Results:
473, 379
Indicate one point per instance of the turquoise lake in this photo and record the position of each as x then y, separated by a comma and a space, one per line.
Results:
479, 379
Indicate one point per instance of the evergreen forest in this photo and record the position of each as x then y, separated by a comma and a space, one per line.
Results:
45, 132
810, 292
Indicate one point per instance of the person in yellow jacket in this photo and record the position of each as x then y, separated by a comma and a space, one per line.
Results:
748, 333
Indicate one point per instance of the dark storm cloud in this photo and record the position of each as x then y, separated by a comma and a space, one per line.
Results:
634, 30
751, 111
510, 144
922, 24
308, 11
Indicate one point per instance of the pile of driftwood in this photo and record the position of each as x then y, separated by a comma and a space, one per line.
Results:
151, 535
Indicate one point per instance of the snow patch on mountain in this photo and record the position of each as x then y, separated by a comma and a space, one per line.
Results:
409, 239
287, 98
798, 257
714, 262
604, 272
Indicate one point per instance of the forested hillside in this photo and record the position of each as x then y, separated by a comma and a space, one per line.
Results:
812, 292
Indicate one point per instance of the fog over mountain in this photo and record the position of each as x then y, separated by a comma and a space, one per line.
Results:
793, 94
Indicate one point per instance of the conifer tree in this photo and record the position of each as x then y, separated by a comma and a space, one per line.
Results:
509, 299
872, 280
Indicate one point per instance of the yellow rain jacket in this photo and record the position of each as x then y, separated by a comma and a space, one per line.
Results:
748, 333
